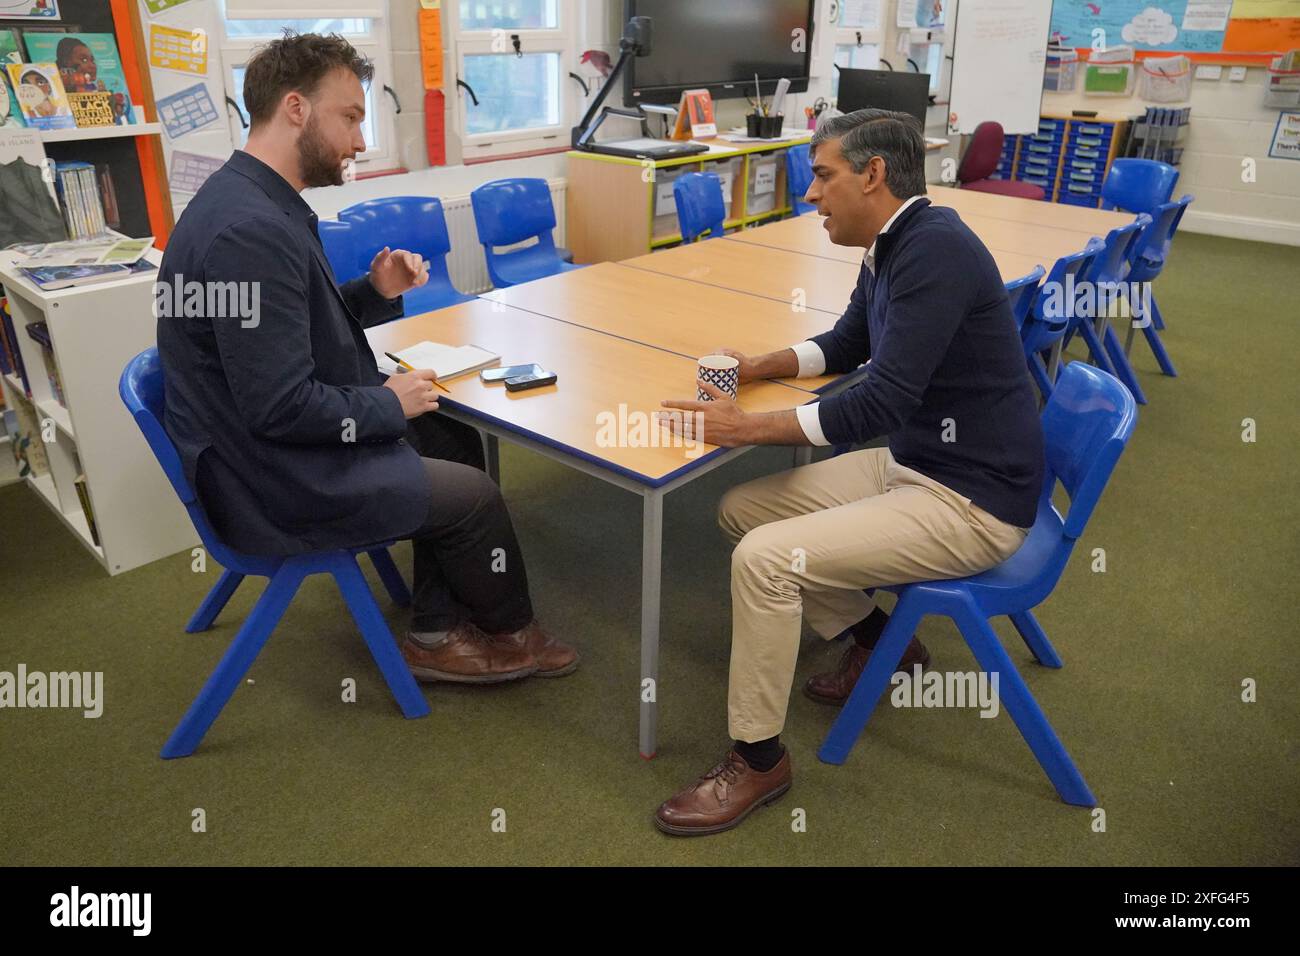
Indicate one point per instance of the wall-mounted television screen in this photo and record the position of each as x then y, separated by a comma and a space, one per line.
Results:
719, 45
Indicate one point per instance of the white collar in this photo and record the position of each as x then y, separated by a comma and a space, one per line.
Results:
870, 257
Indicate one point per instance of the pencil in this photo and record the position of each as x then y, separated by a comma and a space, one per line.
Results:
411, 368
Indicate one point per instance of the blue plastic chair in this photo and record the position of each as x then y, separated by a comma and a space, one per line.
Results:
414, 223
510, 211
700, 207
1022, 293
1138, 185
1052, 312
1109, 269
799, 176
339, 241
142, 390
1148, 260
1086, 425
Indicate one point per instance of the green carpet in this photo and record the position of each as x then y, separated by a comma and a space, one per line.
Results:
1199, 532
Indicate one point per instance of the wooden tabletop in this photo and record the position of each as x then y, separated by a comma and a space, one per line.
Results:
806, 235
775, 274
667, 312
597, 373
1095, 222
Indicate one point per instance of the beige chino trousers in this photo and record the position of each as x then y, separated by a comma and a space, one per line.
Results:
809, 540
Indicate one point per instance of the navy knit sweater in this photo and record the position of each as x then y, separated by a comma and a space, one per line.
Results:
948, 383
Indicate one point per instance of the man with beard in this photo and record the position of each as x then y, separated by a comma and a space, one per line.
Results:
292, 439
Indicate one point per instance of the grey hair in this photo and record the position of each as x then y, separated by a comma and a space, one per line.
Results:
893, 136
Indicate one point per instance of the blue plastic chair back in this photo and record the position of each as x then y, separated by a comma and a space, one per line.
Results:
1148, 254
339, 242
142, 391
1138, 185
510, 211
1052, 311
414, 223
799, 175
1111, 265
1022, 293
700, 207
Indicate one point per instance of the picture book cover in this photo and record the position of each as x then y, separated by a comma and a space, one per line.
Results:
40, 95
11, 116
87, 63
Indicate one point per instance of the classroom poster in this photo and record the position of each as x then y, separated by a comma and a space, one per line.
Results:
29, 9
88, 63
187, 110
156, 7
1191, 26
184, 51
189, 171
1286, 136
431, 47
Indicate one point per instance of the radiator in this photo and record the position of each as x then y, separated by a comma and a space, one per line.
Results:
465, 262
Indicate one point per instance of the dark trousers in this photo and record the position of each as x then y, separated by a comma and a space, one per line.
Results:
468, 566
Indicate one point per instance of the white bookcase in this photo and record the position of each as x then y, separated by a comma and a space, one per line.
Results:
95, 331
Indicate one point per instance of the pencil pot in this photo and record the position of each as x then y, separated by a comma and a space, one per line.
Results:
764, 127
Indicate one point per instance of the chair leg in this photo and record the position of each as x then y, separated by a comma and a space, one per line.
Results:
1035, 639
214, 602
1158, 349
1039, 373
1157, 319
1095, 349
1123, 370
235, 662
871, 685
379, 638
392, 578
1028, 716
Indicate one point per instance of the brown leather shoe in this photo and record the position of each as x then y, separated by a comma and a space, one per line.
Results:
723, 797
553, 658
834, 687
467, 656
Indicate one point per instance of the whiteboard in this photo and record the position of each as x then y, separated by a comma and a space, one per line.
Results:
999, 53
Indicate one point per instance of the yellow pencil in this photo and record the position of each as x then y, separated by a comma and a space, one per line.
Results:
411, 368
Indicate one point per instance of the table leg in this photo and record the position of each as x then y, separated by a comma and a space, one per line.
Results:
492, 453
652, 533
803, 456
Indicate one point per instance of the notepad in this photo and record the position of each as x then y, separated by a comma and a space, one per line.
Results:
447, 361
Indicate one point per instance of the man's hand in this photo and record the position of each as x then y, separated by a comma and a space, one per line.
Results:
395, 271
415, 391
748, 368
719, 422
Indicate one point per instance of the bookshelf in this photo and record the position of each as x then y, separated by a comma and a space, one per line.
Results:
100, 132
94, 331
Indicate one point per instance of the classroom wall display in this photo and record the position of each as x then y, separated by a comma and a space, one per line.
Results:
1286, 136
1207, 30
158, 6
187, 110
29, 9
191, 170
185, 51
41, 95
88, 63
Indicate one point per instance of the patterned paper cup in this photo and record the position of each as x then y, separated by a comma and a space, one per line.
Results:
721, 371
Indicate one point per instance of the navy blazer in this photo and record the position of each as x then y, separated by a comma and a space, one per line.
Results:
283, 426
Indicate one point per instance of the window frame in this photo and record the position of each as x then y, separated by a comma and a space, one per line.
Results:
852, 36
375, 45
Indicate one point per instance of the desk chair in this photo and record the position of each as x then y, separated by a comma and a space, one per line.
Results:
700, 207
142, 390
1086, 425
799, 176
1022, 293
339, 241
1138, 185
1052, 312
510, 211
1109, 269
981, 160
1150, 253
415, 223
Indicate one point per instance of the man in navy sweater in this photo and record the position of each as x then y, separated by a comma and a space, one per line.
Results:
952, 494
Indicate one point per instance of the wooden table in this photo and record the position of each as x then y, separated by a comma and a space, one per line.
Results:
1095, 222
806, 235
672, 313
596, 418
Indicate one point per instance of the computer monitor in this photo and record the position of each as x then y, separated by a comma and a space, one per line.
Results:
884, 90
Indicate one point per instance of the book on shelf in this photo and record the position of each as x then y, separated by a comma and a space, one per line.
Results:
53, 278
77, 186
15, 355
29, 209
26, 445
39, 332
83, 495
90, 68
41, 96
11, 115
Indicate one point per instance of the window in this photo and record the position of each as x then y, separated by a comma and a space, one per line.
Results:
515, 56
249, 30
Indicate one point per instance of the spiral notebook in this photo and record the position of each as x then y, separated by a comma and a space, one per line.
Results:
447, 361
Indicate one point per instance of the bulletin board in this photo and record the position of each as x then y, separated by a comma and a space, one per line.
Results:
1249, 32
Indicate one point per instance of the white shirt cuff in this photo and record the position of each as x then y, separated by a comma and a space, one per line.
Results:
812, 360
811, 423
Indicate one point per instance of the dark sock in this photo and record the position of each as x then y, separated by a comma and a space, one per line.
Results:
868, 630
761, 755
